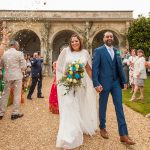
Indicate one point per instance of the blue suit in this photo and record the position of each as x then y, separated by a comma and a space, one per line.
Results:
36, 69
36, 74
109, 73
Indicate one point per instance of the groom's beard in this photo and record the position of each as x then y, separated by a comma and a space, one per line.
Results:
109, 43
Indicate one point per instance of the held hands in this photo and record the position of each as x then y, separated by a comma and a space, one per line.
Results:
125, 86
99, 89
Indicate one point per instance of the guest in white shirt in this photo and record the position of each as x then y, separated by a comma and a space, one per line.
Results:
13, 63
139, 75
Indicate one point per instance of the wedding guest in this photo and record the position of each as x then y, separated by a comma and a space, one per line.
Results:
13, 63
3, 45
147, 64
108, 76
139, 75
36, 74
28, 60
130, 63
4, 42
27, 72
77, 108
53, 99
5, 39
125, 56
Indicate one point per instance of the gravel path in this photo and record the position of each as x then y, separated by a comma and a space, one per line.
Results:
37, 130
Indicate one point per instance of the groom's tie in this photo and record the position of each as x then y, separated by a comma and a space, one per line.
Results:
111, 52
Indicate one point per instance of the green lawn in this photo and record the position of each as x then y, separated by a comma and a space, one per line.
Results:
141, 107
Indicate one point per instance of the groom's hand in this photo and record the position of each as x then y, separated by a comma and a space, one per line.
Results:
99, 88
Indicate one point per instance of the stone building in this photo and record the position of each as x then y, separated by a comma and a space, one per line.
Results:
49, 31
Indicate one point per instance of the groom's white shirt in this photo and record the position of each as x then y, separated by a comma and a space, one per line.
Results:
110, 51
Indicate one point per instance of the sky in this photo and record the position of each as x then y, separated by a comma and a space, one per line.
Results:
138, 6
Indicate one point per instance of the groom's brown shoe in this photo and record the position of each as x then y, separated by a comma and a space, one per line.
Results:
126, 140
104, 133
16, 116
1, 117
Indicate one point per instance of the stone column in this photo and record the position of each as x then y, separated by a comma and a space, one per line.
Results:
49, 59
88, 26
46, 49
4, 24
127, 27
87, 34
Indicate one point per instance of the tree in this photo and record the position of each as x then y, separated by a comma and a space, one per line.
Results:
139, 34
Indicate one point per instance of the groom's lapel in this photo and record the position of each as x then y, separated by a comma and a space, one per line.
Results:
107, 55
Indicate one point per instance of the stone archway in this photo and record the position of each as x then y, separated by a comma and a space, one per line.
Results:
60, 41
98, 39
28, 40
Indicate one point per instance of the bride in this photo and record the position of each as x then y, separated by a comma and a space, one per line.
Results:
78, 113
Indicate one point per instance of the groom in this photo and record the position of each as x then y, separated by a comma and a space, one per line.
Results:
108, 76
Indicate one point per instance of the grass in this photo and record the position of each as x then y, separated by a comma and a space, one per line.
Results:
142, 107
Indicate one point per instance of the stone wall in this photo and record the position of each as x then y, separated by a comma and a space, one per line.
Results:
48, 25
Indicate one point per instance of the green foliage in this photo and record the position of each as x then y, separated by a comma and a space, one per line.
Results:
139, 34
139, 106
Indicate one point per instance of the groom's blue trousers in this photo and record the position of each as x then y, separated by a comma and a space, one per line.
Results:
116, 93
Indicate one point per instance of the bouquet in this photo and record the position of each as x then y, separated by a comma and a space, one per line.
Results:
73, 75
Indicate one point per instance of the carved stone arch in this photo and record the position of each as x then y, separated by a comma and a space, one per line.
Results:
100, 29
124, 43
98, 39
29, 41
59, 41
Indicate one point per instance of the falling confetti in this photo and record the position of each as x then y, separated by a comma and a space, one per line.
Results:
45, 2
37, 1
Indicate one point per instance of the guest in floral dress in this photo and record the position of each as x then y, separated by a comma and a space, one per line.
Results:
53, 100
131, 62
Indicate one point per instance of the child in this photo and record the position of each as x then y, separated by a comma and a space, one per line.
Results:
53, 100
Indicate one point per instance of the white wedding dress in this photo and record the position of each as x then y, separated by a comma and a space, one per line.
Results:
78, 113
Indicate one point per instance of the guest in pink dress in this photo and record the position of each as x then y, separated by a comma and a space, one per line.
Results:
53, 100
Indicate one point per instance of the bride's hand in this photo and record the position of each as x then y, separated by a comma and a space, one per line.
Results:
99, 89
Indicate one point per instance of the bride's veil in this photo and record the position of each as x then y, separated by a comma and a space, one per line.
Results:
88, 109
60, 69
